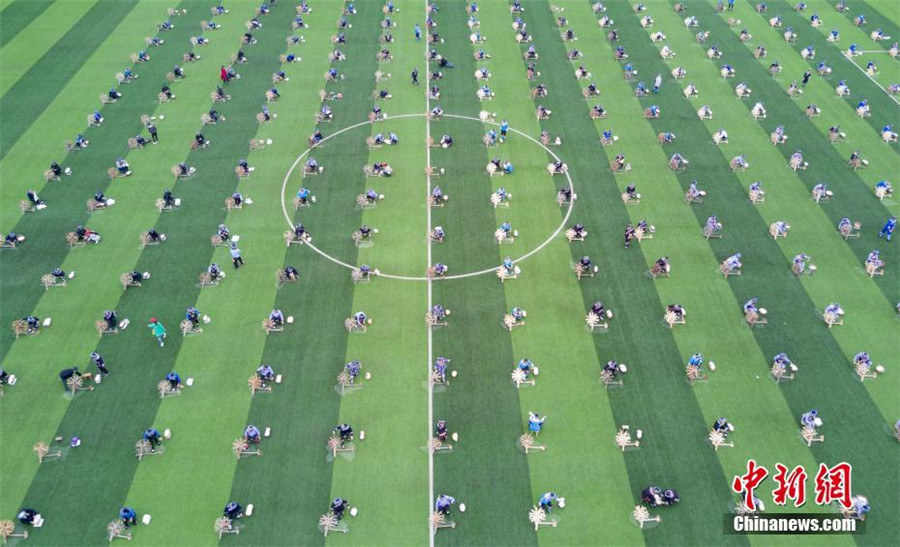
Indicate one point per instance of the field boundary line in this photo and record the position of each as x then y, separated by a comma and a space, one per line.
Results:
429, 285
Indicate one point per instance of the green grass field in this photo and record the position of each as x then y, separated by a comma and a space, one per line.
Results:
57, 57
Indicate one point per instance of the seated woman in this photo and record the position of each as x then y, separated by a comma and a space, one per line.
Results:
184, 170
154, 236
360, 319
303, 196
580, 231
661, 267
739, 163
742, 90
33, 198
122, 167
11, 239
100, 199
446, 141
756, 192
300, 231
80, 142
252, 434
139, 141
200, 141
678, 162
842, 89
732, 264
371, 195
856, 161
111, 318
277, 317
558, 167
244, 168
874, 262
796, 161
597, 112
758, 111
291, 273
174, 381
862, 109
677, 310
883, 189
215, 273
820, 192
618, 164
265, 373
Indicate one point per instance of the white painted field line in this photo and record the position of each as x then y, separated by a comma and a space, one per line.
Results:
430, 356
866, 74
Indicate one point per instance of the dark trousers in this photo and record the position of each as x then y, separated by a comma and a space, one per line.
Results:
154, 137
238, 262
103, 369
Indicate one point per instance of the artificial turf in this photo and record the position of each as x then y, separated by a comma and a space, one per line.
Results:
389, 476
18, 15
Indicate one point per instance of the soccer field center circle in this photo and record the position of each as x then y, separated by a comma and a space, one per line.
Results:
559, 229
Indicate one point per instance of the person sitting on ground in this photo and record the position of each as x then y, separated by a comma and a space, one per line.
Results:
111, 318
214, 272
338, 506
353, 368
152, 436
676, 309
266, 373
360, 318
193, 315
277, 317
252, 434
233, 510
174, 381
345, 433
153, 236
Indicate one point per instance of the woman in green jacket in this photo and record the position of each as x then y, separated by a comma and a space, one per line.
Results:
159, 331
